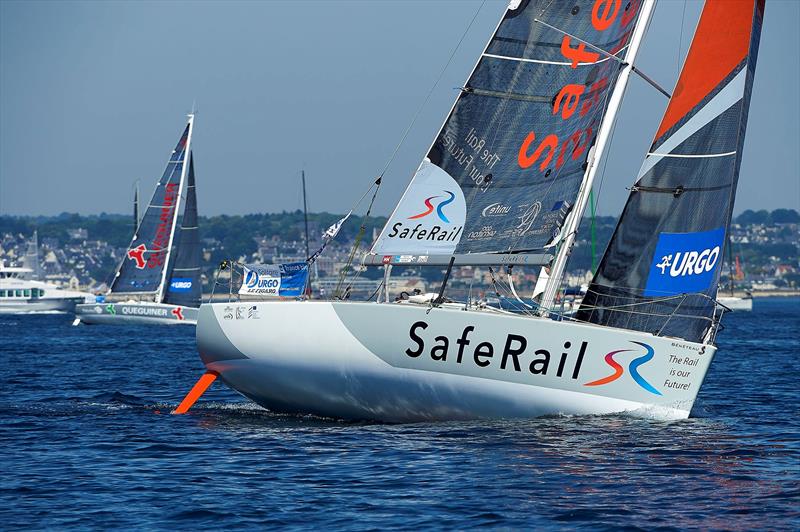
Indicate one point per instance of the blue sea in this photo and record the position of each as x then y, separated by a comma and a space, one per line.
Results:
88, 442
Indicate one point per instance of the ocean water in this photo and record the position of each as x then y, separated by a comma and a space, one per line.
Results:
88, 442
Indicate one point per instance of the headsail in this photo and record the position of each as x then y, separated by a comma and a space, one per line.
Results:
506, 166
146, 259
184, 286
670, 238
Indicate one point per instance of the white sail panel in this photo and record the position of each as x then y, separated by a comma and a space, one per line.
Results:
429, 219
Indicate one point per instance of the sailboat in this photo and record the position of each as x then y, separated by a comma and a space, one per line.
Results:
158, 280
731, 301
504, 184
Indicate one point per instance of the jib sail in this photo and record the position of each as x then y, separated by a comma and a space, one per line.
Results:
184, 286
144, 265
506, 166
670, 239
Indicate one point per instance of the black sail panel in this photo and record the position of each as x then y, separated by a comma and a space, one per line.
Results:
147, 255
661, 270
183, 282
506, 167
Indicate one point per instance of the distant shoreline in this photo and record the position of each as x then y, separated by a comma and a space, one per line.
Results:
775, 293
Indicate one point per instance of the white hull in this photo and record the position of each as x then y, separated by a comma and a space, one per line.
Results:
143, 313
736, 303
32, 306
361, 361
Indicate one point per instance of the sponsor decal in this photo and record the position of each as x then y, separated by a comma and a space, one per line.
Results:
422, 258
633, 368
527, 217
143, 310
437, 233
576, 104
164, 228
495, 210
684, 262
437, 227
484, 233
178, 313
404, 259
227, 313
111, 309
180, 284
252, 313
137, 254
515, 354
280, 280
439, 208
387, 259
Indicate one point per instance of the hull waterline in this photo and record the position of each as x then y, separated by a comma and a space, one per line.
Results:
141, 313
32, 306
398, 363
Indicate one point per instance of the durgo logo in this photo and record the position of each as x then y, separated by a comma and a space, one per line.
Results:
439, 211
180, 284
633, 368
684, 262
253, 280
435, 229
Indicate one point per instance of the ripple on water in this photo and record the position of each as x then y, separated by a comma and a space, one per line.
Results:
88, 442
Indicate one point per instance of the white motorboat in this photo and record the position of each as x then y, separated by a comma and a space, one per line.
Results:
19, 294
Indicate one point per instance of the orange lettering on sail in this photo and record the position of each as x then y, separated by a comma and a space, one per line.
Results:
572, 93
593, 95
603, 21
550, 143
577, 54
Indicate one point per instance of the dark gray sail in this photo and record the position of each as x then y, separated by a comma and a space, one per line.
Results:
142, 268
184, 286
508, 162
661, 270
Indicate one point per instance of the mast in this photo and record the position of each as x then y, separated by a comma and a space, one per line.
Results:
136, 206
571, 226
184, 169
305, 210
305, 216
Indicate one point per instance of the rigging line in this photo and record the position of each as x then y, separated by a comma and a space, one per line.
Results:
680, 41
430, 92
356, 245
608, 56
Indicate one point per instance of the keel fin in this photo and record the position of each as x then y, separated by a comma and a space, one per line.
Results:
197, 390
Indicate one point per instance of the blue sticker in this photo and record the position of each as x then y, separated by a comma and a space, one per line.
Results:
684, 262
180, 284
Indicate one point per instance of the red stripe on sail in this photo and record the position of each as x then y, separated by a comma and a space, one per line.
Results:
720, 44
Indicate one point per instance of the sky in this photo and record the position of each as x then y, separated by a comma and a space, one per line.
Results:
93, 96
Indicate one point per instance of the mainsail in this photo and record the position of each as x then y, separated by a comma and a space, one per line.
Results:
661, 269
185, 287
144, 266
506, 166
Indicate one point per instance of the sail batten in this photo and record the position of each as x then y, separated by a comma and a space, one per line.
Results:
505, 169
665, 254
